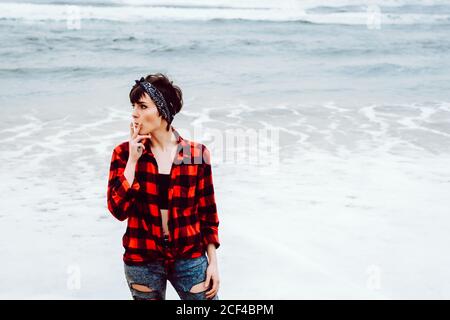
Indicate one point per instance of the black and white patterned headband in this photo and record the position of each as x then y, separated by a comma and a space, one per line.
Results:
157, 98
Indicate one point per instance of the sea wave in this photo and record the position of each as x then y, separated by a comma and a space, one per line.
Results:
290, 11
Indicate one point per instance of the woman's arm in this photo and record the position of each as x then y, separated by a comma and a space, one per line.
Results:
207, 208
211, 251
209, 222
121, 186
130, 170
212, 272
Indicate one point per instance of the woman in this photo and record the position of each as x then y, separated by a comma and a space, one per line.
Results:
162, 184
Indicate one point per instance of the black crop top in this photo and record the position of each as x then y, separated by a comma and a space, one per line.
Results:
163, 185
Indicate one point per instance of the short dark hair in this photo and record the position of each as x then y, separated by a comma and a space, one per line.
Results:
172, 93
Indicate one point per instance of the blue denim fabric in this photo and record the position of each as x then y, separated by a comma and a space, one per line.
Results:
183, 274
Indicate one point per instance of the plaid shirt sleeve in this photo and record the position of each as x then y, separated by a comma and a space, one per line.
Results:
207, 209
120, 194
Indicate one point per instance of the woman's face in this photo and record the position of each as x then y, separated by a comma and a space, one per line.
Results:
146, 114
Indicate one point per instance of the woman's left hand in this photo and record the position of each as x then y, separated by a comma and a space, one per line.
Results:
212, 275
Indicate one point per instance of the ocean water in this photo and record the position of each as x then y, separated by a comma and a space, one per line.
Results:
356, 91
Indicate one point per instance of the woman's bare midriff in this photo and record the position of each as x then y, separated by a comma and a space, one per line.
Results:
165, 161
164, 217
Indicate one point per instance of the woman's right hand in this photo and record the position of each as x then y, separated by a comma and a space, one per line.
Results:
135, 146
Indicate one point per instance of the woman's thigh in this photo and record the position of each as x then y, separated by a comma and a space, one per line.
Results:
147, 282
186, 274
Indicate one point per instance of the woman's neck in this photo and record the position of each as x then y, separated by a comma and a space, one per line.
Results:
162, 139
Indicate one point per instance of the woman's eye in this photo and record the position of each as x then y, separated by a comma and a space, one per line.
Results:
142, 107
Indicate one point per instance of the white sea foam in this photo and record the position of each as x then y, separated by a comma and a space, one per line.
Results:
265, 11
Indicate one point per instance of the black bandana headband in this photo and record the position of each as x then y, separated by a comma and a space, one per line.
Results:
157, 98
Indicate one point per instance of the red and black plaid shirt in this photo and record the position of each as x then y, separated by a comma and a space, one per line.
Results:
192, 214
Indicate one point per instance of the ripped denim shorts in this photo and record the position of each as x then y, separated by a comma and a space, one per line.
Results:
148, 282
